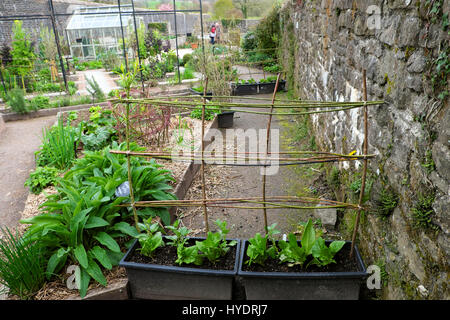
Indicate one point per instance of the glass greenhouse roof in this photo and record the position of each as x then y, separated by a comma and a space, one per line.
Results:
99, 17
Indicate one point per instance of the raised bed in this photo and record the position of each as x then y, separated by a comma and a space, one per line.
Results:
244, 89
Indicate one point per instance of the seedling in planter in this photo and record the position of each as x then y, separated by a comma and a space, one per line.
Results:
324, 255
185, 254
292, 253
258, 250
215, 245
151, 240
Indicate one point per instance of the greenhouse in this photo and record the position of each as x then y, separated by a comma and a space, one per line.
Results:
90, 31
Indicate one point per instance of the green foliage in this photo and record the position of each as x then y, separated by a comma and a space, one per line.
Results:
40, 102
387, 202
187, 58
249, 41
179, 234
110, 60
273, 68
334, 179
292, 253
210, 112
98, 139
22, 52
185, 255
215, 245
151, 239
324, 255
22, 264
259, 249
41, 178
94, 90
268, 32
17, 102
188, 73
160, 26
81, 222
59, 146
423, 212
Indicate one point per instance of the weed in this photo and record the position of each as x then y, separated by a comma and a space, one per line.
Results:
386, 204
423, 212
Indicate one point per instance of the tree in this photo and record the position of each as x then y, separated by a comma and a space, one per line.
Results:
223, 9
244, 6
22, 52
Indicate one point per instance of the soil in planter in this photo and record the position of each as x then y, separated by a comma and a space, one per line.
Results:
167, 256
343, 264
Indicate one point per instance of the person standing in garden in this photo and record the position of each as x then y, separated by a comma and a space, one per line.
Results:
212, 34
218, 33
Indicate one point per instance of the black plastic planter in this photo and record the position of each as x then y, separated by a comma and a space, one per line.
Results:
302, 286
244, 89
269, 87
225, 119
208, 94
158, 282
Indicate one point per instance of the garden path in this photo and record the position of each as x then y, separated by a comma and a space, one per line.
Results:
246, 181
18, 142
103, 78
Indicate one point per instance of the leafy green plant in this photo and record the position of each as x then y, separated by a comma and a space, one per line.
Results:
294, 254
179, 234
423, 212
151, 239
22, 52
324, 255
59, 145
98, 139
40, 102
185, 255
215, 245
387, 202
41, 178
22, 264
94, 90
210, 112
259, 249
16, 100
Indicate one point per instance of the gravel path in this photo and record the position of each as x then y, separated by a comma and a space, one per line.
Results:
18, 142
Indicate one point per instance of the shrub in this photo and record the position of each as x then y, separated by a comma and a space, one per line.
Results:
210, 112
41, 178
186, 58
22, 264
249, 41
16, 100
40, 102
94, 89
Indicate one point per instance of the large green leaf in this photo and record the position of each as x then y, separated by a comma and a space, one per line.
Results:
126, 229
95, 222
106, 240
81, 256
101, 256
56, 261
96, 273
308, 237
84, 282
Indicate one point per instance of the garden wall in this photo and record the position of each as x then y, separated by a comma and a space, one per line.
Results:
325, 45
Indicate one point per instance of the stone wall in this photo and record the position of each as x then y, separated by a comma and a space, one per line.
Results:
326, 45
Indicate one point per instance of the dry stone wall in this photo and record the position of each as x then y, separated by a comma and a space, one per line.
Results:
325, 46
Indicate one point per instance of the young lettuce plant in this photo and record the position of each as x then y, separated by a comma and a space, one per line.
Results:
215, 245
294, 254
186, 255
258, 250
324, 255
151, 239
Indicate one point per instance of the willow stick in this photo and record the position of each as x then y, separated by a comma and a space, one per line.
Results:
269, 122
205, 209
364, 174
130, 180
